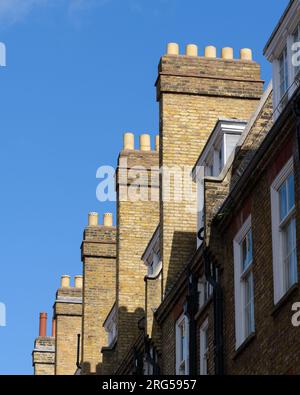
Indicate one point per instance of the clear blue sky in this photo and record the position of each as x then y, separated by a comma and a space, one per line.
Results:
79, 73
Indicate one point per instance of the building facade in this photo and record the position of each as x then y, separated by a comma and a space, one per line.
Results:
200, 275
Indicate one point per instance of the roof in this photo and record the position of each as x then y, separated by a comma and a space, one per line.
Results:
250, 143
279, 24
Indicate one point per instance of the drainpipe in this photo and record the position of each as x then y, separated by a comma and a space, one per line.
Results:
296, 108
191, 308
147, 340
78, 351
210, 274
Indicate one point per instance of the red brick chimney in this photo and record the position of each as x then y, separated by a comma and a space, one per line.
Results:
43, 325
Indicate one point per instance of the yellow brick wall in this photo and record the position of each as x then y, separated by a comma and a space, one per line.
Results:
68, 326
43, 356
193, 94
137, 222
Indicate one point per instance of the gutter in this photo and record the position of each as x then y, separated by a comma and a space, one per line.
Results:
78, 352
296, 109
210, 274
191, 308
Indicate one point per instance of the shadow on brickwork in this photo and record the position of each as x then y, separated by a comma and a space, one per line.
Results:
120, 355
183, 247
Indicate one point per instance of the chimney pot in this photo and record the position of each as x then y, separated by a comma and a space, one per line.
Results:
145, 142
128, 141
65, 281
173, 49
93, 219
246, 54
227, 53
210, 51
53, 327
43, 325
108, 219
191, 50
78, 281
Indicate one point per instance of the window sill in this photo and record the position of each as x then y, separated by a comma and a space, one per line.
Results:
109, 348
285, 298
244, 345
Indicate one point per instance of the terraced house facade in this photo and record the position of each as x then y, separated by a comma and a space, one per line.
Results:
200, 275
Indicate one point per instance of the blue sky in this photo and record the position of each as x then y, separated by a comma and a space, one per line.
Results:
79, 73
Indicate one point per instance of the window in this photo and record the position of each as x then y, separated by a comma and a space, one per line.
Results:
155, 265
182, 344
204, 349
244, 285
284, 231
150, 363
205, 291
283, 73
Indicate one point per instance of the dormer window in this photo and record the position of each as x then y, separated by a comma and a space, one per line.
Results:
283, 51
110, 326
151, 256
219, 147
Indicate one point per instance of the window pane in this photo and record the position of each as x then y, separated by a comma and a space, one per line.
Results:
291, 191
247, 251
283, 201
249, 305
182, 345
290, 253
250, 246
283, 67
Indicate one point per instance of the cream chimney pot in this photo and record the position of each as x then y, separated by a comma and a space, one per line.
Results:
78, 281
173, 49
210, 51
145, 142
65, 281
93, 219
191, 50
246, 54
157, 142
108, 219
227, 53
128, 141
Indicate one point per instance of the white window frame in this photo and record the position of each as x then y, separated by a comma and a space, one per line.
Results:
204, 348
239, 285
277, 238
182, 361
